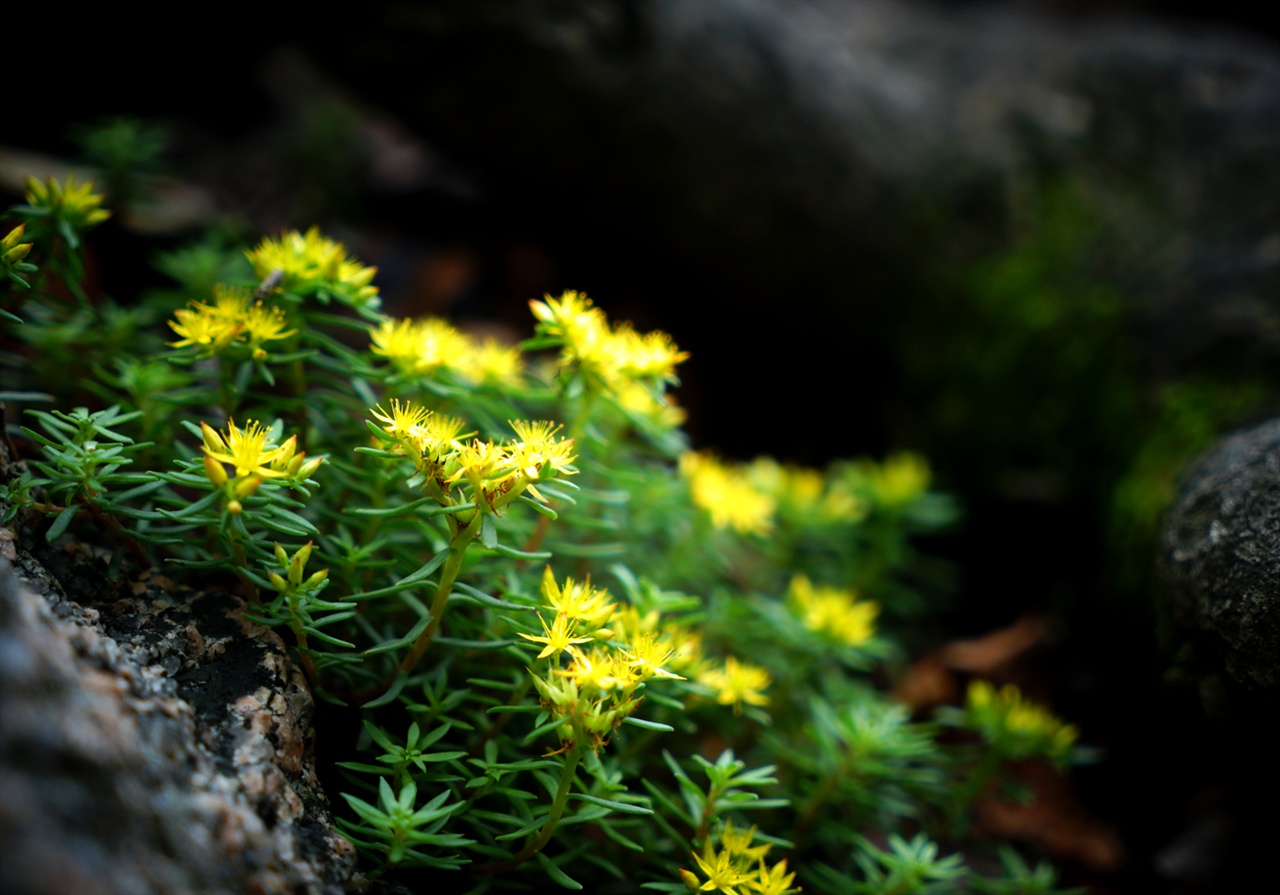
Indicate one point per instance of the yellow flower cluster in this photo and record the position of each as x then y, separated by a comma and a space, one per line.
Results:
736, 683
495, 473
75, 203
309, 261
804, 493
898, 481
632, 368
751, 498
731, 499
425, 437
253, 458
233, 321
596, 691
738, 867
1016, 727
732, 682
425, 347
832, 611
684, 643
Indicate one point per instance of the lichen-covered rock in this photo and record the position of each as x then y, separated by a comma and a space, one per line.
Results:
1221, 564
151, 741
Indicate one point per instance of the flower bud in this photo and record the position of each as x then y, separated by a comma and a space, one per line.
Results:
316, 580
14, 237
307, 468
297, 564
214, 471
690, 880
17, 253
212, 440
281, 556
247, 485
277, 582
287, 450
234, 507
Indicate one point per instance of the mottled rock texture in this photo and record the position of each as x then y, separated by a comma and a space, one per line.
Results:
151, 740
1222, 566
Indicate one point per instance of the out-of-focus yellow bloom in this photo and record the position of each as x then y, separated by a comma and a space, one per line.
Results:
738, 842
397, 340
651, 356
641, 400
232, 320
774, 880
440, 345
724, 871
12, 248
310, 259
76, 203
832, 611
264, 324
730, 498
200, 326
1014, 726
736, 683
898, 481
805, 495
573, 318
492, 363
421, 347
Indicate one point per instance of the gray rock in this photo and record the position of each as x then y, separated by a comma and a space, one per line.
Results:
1221, 565
151, 740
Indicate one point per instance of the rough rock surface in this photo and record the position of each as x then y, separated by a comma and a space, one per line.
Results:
151, 740
1221, 563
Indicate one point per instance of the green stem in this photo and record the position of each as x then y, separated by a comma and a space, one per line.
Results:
448, 574
242, 562
553, 818
708, 815
295, 624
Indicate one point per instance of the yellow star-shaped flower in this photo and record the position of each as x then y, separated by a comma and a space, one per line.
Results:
558, 637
